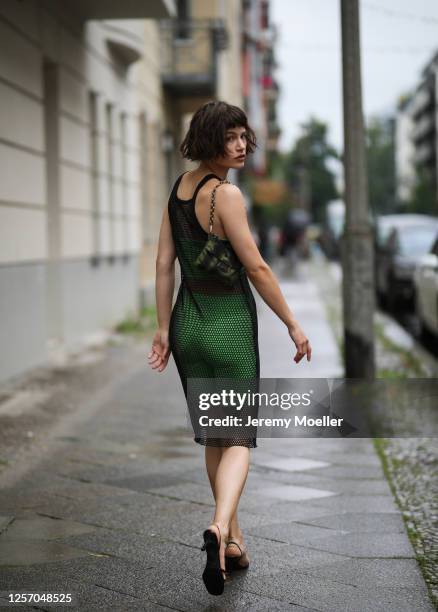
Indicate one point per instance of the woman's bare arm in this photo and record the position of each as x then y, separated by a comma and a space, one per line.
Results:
164, 288
165, 273
230, 208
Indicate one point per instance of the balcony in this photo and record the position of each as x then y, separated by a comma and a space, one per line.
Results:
271, 89
423, 100
424, 154
189, 52
424, 128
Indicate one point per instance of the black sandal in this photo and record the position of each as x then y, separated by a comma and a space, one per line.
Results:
213, 574
236, 562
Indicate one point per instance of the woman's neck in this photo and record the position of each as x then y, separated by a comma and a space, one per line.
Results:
207, 167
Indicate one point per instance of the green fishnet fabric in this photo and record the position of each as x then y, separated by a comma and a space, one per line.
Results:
213, 328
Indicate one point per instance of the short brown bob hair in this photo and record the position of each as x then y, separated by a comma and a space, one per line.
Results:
205, 138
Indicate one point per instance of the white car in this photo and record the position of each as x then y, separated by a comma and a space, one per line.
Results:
426, 291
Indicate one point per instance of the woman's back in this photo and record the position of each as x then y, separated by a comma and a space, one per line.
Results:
190, 236
213, 331
199, 190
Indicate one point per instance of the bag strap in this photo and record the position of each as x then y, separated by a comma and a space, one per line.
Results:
212, 204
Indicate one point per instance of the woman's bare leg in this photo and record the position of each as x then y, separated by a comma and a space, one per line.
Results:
213, 456
227, 474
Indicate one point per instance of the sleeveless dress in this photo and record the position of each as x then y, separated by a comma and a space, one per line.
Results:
213, 331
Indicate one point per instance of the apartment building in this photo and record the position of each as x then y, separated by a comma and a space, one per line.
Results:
404, 149
424, 115
260, 89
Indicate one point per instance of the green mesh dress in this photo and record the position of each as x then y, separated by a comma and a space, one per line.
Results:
213, 330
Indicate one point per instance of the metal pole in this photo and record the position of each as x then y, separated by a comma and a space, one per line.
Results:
357, 252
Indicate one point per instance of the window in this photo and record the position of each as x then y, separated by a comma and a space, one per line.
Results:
110, 178
124, 173
183, 19
94, 171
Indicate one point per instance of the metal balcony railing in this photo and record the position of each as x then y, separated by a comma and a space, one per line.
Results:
189, 55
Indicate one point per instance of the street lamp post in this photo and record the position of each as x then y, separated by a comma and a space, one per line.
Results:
357, 252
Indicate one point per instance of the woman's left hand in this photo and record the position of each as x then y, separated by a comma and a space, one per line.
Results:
160, 351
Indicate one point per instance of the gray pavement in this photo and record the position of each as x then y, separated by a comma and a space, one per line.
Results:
113, 504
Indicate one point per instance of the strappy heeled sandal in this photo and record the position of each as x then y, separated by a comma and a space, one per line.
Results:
236, 562
213, 574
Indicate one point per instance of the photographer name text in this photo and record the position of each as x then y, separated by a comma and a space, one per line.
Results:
298, 421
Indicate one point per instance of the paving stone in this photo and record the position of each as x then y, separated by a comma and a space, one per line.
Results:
356, 503
91, 511
196, 474
329, 595
355, 486
185, 592
6, 606
367, 545
11, 500
146, 482
95, 473
174, 517
351, 471
84, 490
42, 528
117, 575
360, 522
353, 458
378, 572
149, 550
295, 533
293, 493
192, 492
295, 464
336, 485
269, 557
18, 553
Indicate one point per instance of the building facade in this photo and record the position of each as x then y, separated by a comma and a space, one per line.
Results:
70, 189
424, 115
260, 89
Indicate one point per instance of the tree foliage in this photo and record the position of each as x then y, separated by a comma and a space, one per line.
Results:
306, 167
379, 135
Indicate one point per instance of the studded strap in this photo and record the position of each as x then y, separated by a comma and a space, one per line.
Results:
212, 205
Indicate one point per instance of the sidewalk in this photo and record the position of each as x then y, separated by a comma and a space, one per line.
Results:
114, 510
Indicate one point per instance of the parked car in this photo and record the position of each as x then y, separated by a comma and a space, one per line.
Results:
426, 291
400, 242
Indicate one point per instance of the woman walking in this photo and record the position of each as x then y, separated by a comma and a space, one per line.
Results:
212, 328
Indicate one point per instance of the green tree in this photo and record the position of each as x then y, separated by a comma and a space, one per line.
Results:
381, 165
423, 199
306, 169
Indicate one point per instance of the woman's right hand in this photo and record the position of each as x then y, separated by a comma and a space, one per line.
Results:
160, 351
301, 342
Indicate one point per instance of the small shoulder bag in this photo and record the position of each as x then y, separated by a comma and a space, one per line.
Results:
217, 256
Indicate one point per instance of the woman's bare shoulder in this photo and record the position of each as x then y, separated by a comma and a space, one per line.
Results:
231, 194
